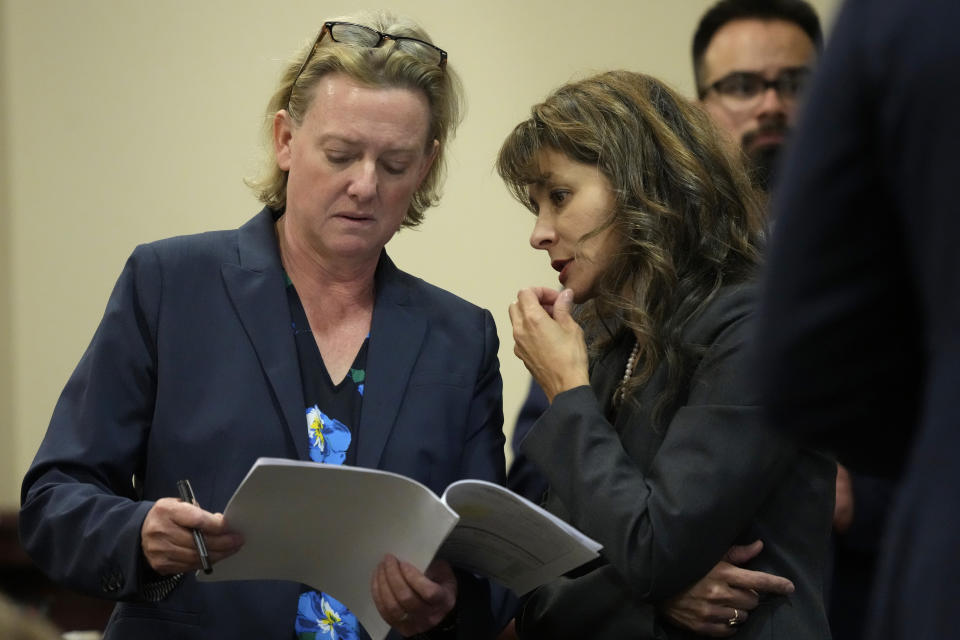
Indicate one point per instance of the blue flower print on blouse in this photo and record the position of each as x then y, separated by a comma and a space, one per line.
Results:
319, 616
329, 438
358, 376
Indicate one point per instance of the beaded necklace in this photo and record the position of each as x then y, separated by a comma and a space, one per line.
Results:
628, 371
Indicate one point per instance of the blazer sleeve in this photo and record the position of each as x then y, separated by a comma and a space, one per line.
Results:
482, 455
80, 516
523, 477
664, 525
597, 604
480, 604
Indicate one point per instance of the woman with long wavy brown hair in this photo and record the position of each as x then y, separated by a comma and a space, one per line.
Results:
653, 443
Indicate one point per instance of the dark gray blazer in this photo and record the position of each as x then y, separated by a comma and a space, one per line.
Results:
193, 373
668, 501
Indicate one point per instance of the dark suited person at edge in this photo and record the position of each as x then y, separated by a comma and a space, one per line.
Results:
653, 442
859, 329
268, 340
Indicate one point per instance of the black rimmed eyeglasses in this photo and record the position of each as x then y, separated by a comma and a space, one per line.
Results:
362, 36
742, 88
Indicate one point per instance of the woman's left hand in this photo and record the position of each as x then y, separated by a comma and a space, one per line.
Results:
409, 601
549, 340
723, 599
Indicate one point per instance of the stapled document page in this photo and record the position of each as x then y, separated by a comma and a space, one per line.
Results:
328, 526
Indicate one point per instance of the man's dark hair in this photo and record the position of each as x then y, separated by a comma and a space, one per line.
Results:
798, 12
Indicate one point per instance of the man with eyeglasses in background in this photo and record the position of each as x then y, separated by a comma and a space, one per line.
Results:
751, 60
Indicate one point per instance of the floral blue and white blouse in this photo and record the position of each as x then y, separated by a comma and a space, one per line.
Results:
332, 417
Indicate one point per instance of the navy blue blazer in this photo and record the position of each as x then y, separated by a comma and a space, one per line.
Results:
193, 373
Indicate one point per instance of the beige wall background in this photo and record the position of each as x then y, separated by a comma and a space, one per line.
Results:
124, 121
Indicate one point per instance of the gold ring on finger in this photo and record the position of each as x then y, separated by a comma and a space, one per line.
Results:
735, 619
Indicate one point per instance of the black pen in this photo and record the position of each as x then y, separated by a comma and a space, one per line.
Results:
186, 494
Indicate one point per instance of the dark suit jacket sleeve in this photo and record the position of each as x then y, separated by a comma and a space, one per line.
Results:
598, 604
523, 477
480, 602
80, 519
665, 526
483, 449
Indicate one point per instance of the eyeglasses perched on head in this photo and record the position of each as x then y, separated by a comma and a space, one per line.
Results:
362, 36
741, 89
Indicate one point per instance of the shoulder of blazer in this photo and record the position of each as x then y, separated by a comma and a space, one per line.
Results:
252, 246
409, 290
730, 304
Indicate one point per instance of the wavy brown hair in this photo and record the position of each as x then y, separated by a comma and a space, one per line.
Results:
687, 217
385, 66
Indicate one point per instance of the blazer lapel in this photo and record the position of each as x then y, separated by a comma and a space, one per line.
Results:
396, 334
256, 287
633, 420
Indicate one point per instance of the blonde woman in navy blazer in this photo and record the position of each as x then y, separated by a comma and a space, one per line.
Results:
193, 371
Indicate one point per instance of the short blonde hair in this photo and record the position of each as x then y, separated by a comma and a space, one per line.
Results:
384, 66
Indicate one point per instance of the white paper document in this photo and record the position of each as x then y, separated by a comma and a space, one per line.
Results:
328, 526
